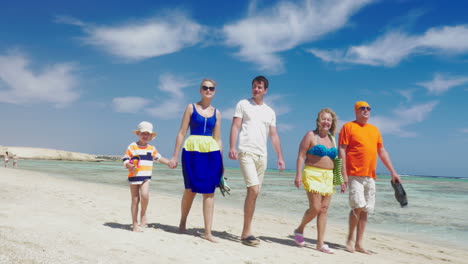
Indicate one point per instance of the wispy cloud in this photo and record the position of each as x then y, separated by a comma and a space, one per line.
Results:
168, 106
402, 118
174, 102
464, 130
442, 83
142, 39
277, 102
391, 48
228, 113
54, 84
284, 127
129, 104
264, 33
407, 94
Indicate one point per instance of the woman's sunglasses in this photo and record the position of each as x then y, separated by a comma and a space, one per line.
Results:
206, 88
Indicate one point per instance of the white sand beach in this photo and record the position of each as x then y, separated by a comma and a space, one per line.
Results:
45, 219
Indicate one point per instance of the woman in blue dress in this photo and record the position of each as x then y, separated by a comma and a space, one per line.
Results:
202, 163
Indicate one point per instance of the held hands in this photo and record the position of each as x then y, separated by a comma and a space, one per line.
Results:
173, 163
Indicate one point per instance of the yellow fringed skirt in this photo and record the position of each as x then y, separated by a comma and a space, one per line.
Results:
318, 180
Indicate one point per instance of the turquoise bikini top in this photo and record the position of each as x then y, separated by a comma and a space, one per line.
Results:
322, 151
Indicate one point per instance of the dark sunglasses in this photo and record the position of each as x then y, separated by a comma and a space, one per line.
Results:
206, 88
365, 108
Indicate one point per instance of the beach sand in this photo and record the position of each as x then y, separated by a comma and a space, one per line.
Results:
44, 219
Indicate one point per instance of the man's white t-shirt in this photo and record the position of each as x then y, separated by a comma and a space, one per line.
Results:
256, 122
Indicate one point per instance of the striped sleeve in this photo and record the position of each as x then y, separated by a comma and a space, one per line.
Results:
157, 157
128, 155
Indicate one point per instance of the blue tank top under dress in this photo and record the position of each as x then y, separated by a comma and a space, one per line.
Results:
202, 162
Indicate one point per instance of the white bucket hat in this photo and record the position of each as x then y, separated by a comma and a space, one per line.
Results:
145, 127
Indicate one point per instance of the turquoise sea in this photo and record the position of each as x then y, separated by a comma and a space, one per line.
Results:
437, 211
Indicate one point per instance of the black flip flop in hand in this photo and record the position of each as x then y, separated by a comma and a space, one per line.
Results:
400, 193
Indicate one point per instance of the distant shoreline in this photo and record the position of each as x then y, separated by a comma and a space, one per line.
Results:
46, 154
32, 153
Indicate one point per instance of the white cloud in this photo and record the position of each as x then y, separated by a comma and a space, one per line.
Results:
228, 113
283, 127
391, 48
173, 84
276, 101
69, 20
264, 33
168, 109
129, 104
173, 104
407, 94
170, 101
397, 125
55, 84
442, 83
143, 39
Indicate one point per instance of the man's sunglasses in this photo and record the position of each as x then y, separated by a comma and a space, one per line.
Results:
365, 108
206, 88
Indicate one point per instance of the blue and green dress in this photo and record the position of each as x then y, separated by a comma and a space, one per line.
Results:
202, 162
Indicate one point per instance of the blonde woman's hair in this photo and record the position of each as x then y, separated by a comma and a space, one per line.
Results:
334, 120
207, 80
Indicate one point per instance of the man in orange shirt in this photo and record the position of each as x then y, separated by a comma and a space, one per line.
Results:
359, 145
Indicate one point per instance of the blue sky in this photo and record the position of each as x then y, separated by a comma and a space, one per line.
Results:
79, 76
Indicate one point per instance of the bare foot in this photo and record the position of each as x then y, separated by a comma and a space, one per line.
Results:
350, 246
182, 229
211, 239
143, 222
136, 229
363, 250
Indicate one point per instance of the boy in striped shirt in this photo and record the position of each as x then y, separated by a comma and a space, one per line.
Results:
138, 160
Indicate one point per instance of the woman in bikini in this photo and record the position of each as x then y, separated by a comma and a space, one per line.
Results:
202, 163
318, 150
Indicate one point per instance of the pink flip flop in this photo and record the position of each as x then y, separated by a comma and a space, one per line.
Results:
299, 239
326, 249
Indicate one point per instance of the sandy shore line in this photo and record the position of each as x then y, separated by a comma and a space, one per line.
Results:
44, 219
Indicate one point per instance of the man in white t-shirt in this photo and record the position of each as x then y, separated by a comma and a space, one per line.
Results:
256, 121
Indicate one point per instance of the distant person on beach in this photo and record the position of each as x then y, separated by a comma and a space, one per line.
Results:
202, 161
318, 149
359, 145
5, 159
256, 121
15, 161
138, 160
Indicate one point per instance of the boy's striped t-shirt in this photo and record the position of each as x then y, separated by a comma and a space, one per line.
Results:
142, 158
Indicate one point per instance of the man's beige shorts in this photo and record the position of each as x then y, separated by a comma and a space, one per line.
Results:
361, 193
253, 168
